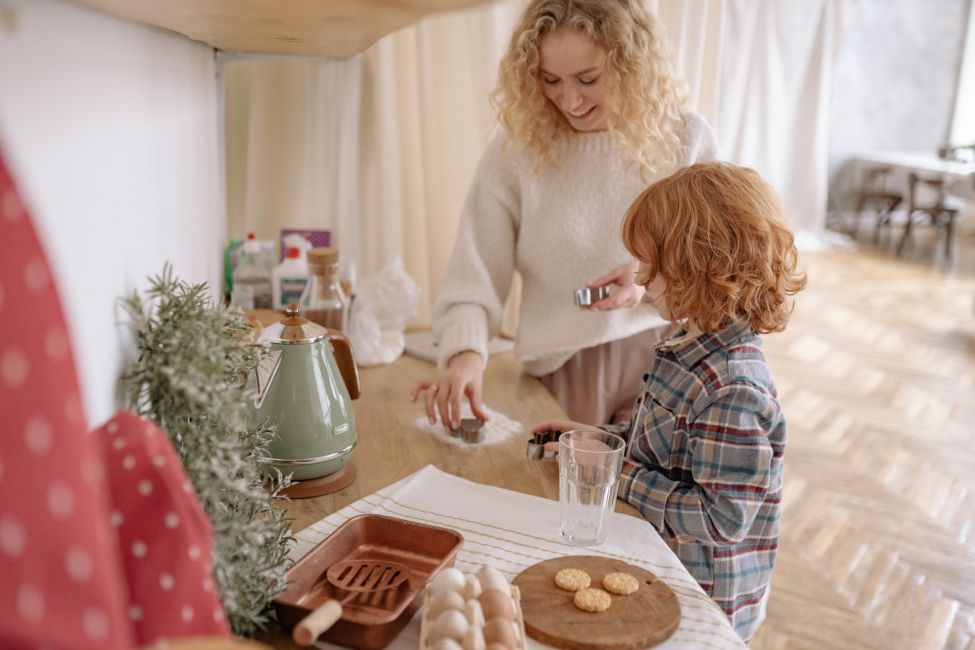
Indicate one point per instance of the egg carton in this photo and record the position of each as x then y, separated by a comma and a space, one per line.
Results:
426, 624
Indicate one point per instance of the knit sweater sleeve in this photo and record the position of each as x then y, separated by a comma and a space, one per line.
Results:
469, 305
697, 140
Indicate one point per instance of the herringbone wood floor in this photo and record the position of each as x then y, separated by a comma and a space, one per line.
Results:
877, 376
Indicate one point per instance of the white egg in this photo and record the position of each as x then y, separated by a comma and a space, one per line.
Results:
491, 578
474, 639
449, 579
445, 644
496, 604
472, 588
474, 613
442, 602
502, 632
449, 625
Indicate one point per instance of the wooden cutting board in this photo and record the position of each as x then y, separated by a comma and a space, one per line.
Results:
642, 619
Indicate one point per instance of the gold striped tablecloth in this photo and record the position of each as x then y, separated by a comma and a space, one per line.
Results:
512, 531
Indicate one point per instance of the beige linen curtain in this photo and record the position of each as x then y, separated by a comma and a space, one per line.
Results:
291, 146
426, 95
382, 148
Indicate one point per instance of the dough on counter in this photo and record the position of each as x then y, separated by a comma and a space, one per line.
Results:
620, 583
572, 579
592, 600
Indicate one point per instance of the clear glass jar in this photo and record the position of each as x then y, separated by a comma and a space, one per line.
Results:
324, 302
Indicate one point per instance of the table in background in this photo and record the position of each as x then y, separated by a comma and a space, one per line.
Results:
959, 176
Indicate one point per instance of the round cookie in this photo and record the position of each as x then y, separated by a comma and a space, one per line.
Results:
592, 600
620, 583
572, 579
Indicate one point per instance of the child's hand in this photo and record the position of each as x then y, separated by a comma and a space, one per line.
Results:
627, 295
557, 425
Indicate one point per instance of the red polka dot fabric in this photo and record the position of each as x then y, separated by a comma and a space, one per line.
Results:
102, 543
164, 536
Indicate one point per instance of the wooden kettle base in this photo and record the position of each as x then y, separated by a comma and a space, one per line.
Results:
316, 487
642, 619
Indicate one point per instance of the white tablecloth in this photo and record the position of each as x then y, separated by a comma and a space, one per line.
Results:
512, 531
959, 177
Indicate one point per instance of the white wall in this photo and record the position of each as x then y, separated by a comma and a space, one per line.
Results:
111, 133
895, 79
963, 119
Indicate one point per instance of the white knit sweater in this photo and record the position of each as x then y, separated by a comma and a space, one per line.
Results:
560, 228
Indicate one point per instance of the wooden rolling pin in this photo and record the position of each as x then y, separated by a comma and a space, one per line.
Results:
318, 621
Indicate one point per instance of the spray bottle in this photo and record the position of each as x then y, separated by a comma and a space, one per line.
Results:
289, 279
294, 240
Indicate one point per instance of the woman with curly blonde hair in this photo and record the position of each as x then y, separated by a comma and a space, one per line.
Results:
706, 437
591, 112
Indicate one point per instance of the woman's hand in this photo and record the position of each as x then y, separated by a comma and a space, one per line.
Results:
627, 295
463, 377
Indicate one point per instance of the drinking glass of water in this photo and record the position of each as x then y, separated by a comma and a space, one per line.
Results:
589, 471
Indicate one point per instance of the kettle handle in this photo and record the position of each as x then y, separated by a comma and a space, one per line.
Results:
342, 350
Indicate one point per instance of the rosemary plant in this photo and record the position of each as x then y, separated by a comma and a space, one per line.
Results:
190, 377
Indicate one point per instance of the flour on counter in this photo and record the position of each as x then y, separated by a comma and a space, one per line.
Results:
497, 429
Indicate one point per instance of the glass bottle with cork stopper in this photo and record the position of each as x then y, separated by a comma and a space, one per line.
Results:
324, 302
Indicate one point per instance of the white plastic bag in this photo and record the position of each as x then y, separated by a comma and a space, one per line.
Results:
382, 307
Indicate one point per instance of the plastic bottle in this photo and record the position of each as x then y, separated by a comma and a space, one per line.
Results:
297, 241
324, 302
289, 279
251, 277
228, 269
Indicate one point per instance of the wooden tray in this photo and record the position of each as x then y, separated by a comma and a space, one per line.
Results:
643, 619
373, 620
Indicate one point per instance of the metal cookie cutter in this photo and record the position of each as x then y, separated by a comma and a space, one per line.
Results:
471, 430
536, 446
589, 295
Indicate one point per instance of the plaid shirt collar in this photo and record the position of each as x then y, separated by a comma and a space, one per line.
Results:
689, 353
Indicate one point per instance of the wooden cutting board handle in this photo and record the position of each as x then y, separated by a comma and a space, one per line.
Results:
643, 619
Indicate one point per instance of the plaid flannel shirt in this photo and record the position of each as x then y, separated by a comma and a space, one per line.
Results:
704, 464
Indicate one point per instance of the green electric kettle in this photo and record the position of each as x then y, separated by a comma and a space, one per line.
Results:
306, 385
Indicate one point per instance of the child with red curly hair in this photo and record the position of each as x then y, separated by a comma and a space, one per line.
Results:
707, 435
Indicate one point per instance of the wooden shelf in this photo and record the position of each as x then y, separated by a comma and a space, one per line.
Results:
332, 28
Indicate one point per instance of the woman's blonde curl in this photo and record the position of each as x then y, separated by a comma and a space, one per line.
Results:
645, 114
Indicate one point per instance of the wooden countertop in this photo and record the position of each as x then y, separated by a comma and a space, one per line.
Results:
337, 28
389, 447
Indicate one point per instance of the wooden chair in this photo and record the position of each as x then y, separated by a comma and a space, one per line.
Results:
875, 196
928, 210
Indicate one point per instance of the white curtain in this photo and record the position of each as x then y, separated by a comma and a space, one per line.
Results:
694, 36
776, 70
291, 129
760, 72
382, 148
426, 93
